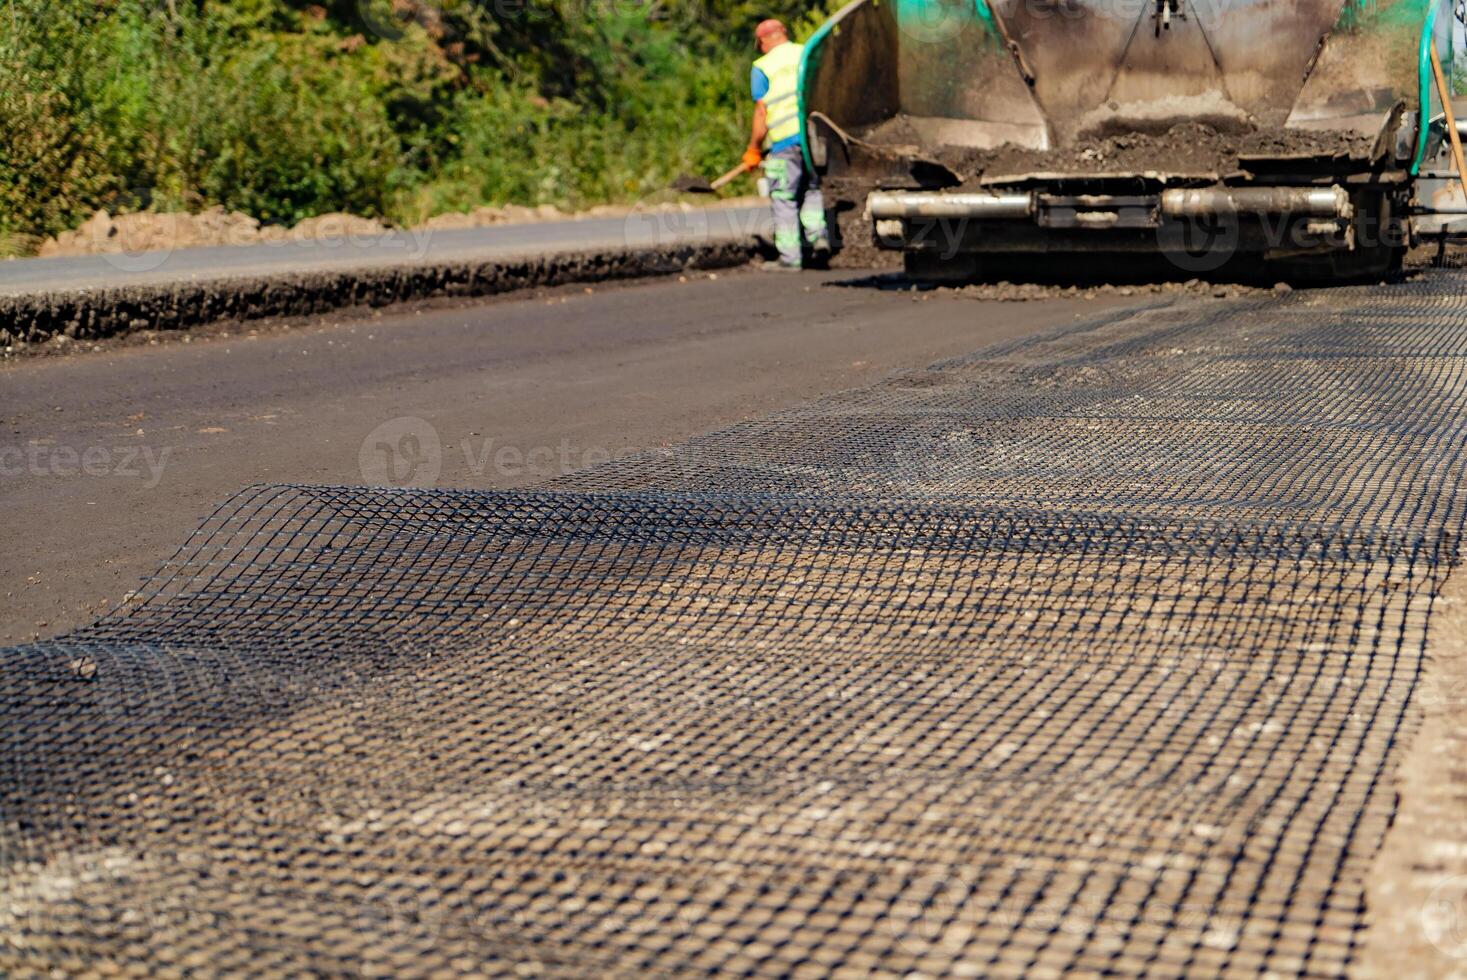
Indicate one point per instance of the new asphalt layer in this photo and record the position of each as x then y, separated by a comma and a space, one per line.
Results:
86, 298
111, 458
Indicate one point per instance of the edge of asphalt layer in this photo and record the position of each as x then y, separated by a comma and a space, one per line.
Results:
95, 312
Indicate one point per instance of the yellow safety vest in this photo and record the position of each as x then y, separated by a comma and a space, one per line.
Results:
781, 103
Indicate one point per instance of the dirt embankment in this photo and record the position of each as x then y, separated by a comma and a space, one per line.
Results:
104, 233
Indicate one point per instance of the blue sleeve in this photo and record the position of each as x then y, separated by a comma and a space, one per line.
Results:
759, 84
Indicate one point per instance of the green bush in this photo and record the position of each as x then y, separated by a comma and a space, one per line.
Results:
52, 166
291, 136
53, 160
379, 107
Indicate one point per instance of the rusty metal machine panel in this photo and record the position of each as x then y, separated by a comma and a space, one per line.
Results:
1369, 64
1048, 72
1101, 68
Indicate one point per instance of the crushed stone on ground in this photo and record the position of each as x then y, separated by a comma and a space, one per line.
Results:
1098, 651
1187, 148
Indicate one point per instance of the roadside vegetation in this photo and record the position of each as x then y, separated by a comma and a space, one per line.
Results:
391, 109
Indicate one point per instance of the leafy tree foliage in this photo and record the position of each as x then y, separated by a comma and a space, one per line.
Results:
391, 108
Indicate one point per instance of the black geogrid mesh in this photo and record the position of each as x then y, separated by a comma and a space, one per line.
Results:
1092, 652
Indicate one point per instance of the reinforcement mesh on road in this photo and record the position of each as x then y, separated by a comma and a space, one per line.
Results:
1089, 653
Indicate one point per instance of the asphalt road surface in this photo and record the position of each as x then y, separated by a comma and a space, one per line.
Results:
110, 459
1134, 649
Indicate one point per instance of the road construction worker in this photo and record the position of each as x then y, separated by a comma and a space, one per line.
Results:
799, 209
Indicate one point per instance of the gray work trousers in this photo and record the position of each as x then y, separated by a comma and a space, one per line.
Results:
799, 208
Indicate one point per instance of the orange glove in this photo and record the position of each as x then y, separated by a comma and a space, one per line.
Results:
752, 158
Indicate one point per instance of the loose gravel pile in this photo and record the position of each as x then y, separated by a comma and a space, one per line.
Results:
1188, 148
